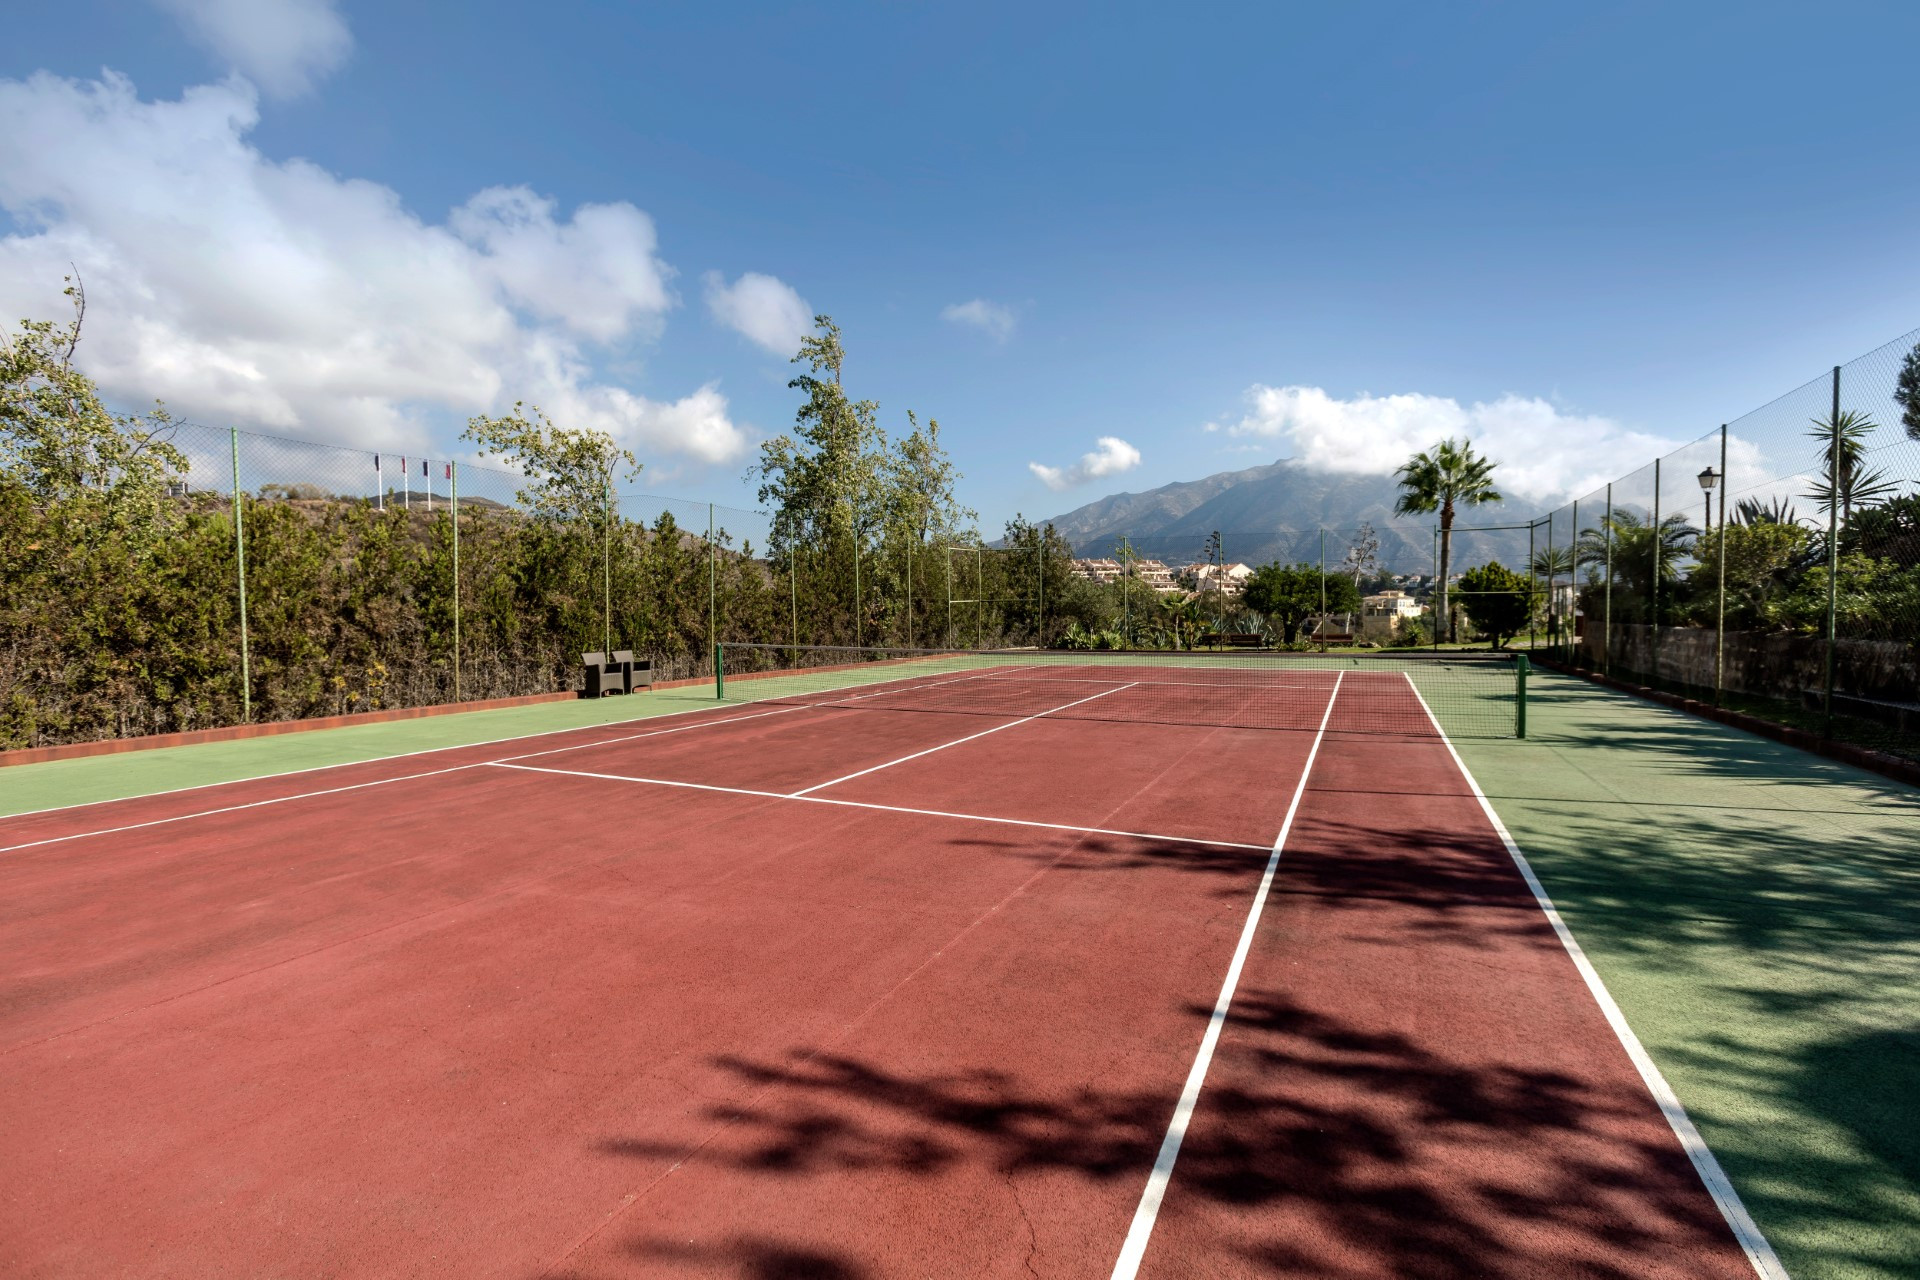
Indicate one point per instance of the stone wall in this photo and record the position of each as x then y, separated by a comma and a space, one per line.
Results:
1771, 663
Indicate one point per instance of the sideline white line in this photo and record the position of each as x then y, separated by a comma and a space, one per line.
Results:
357, 786
1135, 1247
1011, 724
348, 764
882, 808
650, 733
1765, 1262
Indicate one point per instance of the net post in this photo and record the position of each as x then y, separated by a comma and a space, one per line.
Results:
1520, 695
719, 673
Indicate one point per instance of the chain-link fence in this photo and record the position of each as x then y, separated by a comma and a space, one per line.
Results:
1771, 566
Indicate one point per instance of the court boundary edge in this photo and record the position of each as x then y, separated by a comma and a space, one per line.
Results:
1746, 1232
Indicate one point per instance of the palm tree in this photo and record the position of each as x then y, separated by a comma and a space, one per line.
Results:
1846, 473
1641, 555
1445, 478
1753, 511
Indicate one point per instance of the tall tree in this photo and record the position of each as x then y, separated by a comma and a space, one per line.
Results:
1290, 594
1363, 557
825, 480
570, 473
1498, 600
1906, 392
1444, 479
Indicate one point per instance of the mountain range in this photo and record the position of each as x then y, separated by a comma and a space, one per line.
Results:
1278, 512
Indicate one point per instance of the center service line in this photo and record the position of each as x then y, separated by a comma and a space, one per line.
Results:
1135, 1247
1011, 724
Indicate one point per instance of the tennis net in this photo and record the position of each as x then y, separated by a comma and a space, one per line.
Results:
1471, 694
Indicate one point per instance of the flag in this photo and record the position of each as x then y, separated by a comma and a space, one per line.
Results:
449, 471
376, 464
423, 466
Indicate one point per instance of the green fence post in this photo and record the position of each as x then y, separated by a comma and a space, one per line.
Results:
1519, 695
1720, 591
240, 557
1833, 553
453, 495
1606, 608
1659, 563
713, 588
719, 674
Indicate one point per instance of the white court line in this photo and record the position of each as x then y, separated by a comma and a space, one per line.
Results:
1765, 1262
881, 808
1011, 724
914, 688
358, 786
349, 764
1135, 1246
651, 733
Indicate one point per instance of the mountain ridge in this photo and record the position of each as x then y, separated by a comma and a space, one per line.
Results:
1277, 511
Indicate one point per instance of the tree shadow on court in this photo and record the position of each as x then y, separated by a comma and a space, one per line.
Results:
1314, 1151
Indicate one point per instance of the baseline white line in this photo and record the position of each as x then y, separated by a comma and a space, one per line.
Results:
881, 808
1135, 1247
355, 786
1766, 1263
1011, 724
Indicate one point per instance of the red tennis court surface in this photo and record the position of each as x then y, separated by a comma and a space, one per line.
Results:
815, 991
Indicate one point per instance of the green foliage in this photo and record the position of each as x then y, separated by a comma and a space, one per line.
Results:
1288, 595
1906, 392
1764, 562
1497, 600
570, 473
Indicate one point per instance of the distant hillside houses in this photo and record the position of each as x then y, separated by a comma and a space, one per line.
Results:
1149, 573
1230, 578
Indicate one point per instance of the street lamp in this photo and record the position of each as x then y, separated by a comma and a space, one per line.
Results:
1709, 478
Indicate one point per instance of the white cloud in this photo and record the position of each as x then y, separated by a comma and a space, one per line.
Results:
1542, 451
765, 309
284, 46
1111, 456
991, 318
274, 294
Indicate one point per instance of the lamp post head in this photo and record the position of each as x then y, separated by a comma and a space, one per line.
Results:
1708, 479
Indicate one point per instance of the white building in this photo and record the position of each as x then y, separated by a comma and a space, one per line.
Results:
1382, 614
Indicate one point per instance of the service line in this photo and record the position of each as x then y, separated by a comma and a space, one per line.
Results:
882, 808
1011, 724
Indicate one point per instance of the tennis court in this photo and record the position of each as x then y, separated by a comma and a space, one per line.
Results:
934, 966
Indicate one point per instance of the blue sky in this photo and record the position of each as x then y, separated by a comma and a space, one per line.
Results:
1208, 236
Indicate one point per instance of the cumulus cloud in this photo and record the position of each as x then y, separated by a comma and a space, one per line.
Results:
274, 294
284, 46
991, 318
1543, 452
1110, 457
765, 309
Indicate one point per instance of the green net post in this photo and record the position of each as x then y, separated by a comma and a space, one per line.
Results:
719, 674
1520, 695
